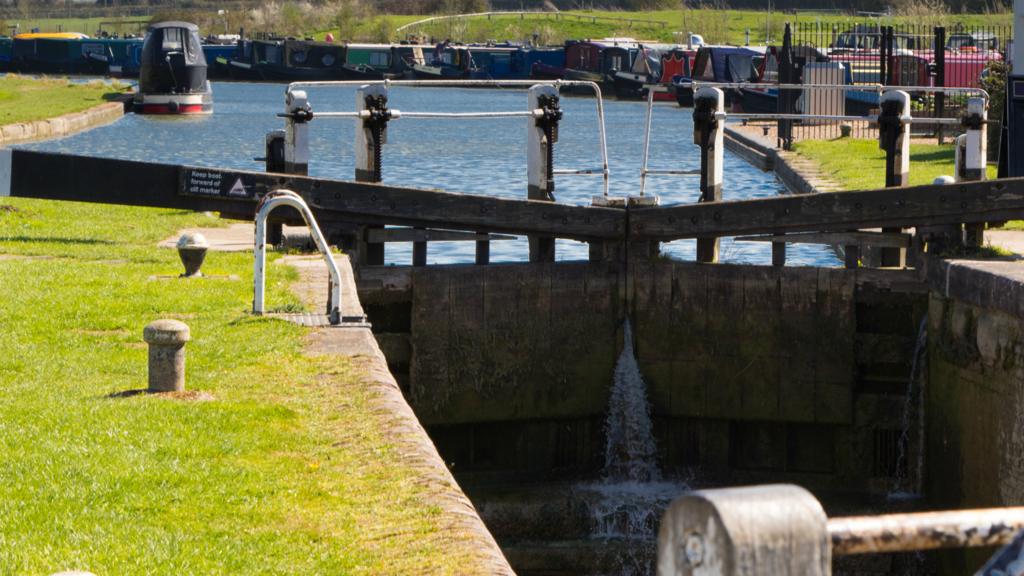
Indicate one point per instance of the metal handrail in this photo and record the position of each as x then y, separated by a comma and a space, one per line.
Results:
844, 87
395, 114
606, 173
924, 530
266, 205
839, 118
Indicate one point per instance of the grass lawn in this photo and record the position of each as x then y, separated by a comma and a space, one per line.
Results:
860, 164
24, 99
717, 26
284, 470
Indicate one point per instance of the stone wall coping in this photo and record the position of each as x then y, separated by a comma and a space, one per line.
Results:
60, 126
991, 284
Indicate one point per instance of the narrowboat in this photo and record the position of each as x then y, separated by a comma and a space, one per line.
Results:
446, 62
720, 64
305, 60
6, 46
616, 58
50, 53
282, 60
583, 61
646, 71
369, 62
766, 100
674, 61
217, 57
172, 79
117, 57
251, 56
538, 59
498, 62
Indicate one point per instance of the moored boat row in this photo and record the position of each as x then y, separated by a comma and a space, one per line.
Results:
623, 67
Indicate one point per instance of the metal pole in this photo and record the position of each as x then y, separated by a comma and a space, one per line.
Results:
939, 51
924, 530
647, 140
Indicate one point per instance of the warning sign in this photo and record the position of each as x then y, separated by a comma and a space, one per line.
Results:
238, 189
202, 182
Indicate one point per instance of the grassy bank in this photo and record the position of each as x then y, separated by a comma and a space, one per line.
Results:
357, 21
24, 99
860, 164
278, 468
717, 26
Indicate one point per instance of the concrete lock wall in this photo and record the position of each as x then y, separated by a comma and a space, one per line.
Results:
975, 405
750, 370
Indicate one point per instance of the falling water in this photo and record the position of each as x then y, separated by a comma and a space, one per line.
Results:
627, 503
913, 404
630, 453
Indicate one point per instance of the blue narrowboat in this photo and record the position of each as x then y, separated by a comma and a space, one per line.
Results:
6, 46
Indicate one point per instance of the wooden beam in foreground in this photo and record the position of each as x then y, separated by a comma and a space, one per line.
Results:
984, 201
86, 179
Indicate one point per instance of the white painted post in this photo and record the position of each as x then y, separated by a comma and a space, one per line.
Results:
709, 134
959, 157
365, 145
367, 164
976, 139
896, 103
540, 185
894, 138
296, 140
973, 159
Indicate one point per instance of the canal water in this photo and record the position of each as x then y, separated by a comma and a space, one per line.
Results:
476, 156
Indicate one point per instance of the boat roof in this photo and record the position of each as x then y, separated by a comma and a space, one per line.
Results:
173, 24
52, 35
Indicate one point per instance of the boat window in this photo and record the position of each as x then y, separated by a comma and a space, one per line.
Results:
193, 48
771, 69
380, 59
327, 60
708, 73
173, 41
298, 57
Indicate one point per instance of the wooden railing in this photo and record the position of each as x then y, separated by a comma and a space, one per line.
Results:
355, 204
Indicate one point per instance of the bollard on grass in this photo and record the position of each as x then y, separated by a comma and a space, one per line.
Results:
166, 339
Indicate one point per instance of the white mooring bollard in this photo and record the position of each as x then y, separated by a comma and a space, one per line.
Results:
298, 113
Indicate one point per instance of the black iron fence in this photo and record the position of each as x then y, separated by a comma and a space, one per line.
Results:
868, 57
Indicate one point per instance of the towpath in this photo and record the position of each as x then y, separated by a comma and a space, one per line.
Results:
459, 528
